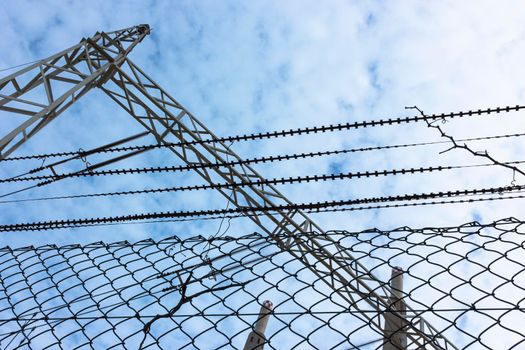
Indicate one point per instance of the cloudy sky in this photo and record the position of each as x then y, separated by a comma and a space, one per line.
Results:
245, 67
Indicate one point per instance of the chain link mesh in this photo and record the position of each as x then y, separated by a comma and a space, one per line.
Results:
467, 281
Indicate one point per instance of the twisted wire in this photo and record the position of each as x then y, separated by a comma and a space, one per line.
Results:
455, 145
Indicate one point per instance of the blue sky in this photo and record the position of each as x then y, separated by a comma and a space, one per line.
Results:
260, 66
249, 67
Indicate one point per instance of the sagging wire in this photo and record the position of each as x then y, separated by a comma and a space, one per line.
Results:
456, 145
228, 202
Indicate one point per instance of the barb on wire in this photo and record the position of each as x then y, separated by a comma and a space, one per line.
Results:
312, 207
281, 133
456, 145
112, 172
256, 160
260, 182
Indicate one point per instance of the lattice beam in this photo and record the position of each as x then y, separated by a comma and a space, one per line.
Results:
43, 90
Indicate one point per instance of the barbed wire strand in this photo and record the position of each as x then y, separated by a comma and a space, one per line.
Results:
312, 207
181, 168
89, 170
233, 185
285, 133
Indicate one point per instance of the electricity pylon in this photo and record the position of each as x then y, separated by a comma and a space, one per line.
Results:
43, 90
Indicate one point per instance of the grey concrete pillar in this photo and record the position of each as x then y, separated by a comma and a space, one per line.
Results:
395, 323
256, 338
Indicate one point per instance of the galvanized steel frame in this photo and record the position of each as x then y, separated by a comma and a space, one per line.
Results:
56, 82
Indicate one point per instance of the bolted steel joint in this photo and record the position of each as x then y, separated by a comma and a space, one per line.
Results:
143, 29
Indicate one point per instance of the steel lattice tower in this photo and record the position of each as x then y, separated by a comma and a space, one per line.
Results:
102, 62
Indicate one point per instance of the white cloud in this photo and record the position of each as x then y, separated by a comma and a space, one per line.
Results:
245, 68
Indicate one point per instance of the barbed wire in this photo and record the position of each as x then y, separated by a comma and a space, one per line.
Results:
256, 160
233, 185
275, 181
282, 133
307, 211
311, 207
284, 180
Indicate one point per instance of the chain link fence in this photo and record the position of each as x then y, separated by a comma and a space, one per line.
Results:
467, 281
